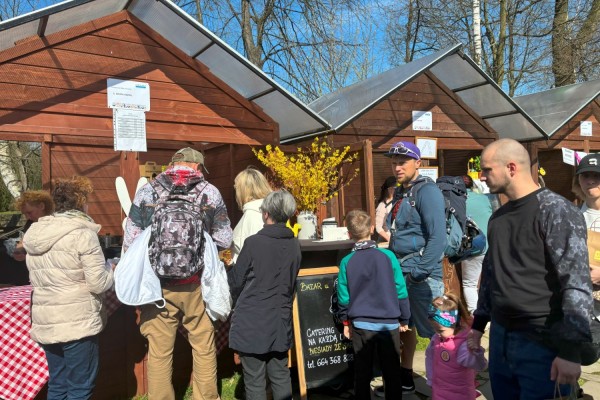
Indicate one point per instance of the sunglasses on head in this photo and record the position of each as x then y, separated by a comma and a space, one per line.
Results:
402, 150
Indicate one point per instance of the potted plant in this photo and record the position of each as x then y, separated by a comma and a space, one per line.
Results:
313, 175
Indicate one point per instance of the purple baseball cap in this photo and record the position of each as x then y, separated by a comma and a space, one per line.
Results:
404, 149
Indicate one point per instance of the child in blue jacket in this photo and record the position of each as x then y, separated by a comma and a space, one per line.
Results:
375, 309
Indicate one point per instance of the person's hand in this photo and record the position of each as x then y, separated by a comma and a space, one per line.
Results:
565, 372
347, 332
404, 328
595, 273
19, 253
474, 339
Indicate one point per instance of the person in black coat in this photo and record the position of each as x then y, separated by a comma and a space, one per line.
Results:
262, 284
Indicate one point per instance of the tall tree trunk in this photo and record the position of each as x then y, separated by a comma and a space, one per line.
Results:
199, 12
563, 63
477, 32
7, 171
499, 51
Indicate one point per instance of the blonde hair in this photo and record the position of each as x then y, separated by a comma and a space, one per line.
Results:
35, 198
250, 184
358, 223
451, 302
71, 193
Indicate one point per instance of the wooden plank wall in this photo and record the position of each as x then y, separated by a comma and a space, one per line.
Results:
54, 90
101, 165
569, 136
558, 174
454, 124
61, 88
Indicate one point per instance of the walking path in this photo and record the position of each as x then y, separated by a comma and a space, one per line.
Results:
590, 375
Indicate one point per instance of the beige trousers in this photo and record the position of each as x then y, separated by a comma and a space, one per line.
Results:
159, 325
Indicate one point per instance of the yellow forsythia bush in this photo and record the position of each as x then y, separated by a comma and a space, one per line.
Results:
312, 175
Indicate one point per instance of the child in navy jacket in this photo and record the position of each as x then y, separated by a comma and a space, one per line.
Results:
375, 309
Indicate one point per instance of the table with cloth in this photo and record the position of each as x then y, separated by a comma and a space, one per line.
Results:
23, 367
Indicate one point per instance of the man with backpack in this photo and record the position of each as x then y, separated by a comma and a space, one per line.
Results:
417, 225
179, 205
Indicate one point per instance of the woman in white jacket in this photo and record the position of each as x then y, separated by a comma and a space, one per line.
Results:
251, 187
67, 272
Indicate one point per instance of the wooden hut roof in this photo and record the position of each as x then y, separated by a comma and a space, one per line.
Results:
456, 71
188, 35
552, 109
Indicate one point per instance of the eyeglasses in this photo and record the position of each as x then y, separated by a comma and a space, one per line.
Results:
402, 150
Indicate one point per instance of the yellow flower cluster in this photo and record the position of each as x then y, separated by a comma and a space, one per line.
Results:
312, 175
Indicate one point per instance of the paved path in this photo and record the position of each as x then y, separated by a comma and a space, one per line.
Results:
590, 374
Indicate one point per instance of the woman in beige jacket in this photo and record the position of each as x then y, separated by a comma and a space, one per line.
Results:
68, 275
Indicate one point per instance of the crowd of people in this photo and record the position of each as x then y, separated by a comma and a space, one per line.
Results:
534, 284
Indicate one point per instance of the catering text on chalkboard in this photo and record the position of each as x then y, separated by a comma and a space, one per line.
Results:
323, 354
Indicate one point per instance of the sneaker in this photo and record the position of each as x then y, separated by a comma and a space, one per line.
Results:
408, 383
379, 391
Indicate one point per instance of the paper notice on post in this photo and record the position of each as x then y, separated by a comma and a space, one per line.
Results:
422, 120
568, 156
572, 157
129, 130
128, 95
585, 128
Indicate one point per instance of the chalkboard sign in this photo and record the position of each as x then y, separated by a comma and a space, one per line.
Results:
323, 354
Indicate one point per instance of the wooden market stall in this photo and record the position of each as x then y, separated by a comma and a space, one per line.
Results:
570, 116
464, 111
54, 67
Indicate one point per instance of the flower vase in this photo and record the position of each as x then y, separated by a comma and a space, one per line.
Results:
308, 225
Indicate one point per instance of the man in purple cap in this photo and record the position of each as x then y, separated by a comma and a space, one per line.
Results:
417, 225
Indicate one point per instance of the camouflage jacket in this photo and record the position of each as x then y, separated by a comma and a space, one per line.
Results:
140, 215
535, 275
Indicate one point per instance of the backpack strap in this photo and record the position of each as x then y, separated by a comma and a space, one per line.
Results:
414, 190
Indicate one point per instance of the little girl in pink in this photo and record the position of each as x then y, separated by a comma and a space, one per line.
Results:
449, 363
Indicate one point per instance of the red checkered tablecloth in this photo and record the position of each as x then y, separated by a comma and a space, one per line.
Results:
23, 367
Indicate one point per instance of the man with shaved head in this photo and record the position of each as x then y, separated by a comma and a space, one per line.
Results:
535, 283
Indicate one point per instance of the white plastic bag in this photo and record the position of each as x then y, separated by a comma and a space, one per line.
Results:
135, 281
215, 289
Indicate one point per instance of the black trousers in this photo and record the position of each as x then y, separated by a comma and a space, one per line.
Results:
257, 367
387, 346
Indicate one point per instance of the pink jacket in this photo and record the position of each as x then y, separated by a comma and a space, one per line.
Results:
451, 367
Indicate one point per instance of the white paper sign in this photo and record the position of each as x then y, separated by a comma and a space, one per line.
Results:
128, 95
585, 128
422, 121
572, 157
129, 130
431, 172
568, 156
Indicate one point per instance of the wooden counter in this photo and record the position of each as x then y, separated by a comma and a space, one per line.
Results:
317, 253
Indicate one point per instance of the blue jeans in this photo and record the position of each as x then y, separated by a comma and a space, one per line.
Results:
420, 296
519, 367
73, 367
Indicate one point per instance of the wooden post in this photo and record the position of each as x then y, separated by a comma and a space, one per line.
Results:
46, 162
298, 347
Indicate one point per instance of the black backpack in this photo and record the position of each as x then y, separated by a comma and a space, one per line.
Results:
464, 239
176, 247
